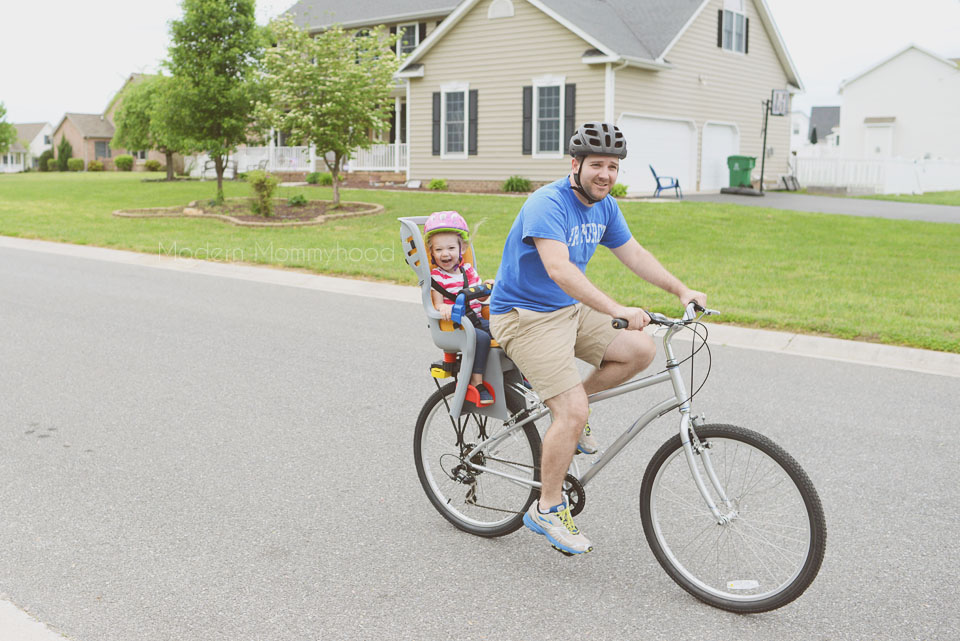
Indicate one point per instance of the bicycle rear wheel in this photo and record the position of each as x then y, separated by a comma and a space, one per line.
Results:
478, 502
771, 547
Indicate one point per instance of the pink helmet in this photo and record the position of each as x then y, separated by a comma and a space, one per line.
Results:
446, 221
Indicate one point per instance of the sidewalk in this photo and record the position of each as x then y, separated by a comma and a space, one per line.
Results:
904, 358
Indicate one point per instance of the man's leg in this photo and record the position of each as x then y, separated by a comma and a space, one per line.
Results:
569, 411
629, 353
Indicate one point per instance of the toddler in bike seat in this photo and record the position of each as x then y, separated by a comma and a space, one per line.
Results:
445, 235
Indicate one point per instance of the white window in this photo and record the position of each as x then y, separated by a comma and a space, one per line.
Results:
408, 37
454, 112
734, 26
548, 110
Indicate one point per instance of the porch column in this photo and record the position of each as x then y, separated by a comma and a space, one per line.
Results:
396, 138
407, 81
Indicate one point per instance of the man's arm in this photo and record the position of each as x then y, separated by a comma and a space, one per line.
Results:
642, 263
556, 260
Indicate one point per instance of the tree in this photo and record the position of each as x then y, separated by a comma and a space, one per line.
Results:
330, 90
214, 57
144, 119
64, 153
813, 136
8, 133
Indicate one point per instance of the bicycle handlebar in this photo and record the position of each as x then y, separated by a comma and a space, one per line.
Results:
689, 314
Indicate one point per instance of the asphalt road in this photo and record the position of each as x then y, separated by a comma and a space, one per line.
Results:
199, 458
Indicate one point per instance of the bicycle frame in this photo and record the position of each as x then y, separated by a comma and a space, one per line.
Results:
691, 445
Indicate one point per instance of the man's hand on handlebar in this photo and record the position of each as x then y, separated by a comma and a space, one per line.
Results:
688, 295
636, 317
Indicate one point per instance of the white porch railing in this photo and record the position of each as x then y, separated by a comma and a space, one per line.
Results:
380, 157
880, 176
250, 158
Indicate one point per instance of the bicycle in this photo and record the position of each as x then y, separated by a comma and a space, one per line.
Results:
705, 497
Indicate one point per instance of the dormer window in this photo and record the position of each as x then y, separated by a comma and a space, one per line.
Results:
733, 27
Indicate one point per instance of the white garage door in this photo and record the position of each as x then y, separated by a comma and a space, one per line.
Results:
719, 141
670, 146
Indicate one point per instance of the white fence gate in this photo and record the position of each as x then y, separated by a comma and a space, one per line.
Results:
879, 176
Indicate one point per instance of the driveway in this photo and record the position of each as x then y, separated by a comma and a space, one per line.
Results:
832, 205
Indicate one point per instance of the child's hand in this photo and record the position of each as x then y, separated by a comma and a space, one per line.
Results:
445, 311
489, 283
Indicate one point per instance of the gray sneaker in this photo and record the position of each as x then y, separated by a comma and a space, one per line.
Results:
559, 529
587, 444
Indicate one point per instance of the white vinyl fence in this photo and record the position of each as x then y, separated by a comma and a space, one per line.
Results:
250, 158
880, 176
380, 157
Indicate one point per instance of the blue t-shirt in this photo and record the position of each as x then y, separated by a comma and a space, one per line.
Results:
553, 212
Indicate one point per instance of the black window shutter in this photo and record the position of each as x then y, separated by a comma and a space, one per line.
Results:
720, 28
393, 30
746, 37
436, 123
472, 141
569, 115
422, 29
528, 120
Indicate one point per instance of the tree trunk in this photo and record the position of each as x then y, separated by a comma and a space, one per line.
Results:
169, 156
218, 163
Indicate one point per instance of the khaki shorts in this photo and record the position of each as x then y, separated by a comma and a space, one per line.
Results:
544, 344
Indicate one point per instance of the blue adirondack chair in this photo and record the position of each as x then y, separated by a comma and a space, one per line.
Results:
665, 182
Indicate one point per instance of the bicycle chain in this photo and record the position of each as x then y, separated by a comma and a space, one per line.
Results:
576, 505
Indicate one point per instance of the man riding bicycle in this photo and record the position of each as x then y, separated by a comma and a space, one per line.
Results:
545, 312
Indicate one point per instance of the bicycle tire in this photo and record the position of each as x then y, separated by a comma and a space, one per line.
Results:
498, 504
770, 551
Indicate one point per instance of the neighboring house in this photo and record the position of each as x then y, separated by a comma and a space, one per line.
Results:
90, 134
904, 106
32, 140
499, 87
823, 126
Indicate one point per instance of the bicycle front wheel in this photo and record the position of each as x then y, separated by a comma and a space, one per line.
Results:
482, 502
771, 545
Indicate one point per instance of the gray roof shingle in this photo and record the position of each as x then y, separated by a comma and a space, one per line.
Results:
823, 119
314, 14
91, 125
26, 132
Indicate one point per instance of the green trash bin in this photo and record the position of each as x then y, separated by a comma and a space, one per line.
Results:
740, 169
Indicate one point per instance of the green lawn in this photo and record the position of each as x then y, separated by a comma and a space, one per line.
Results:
878, 280
929, 198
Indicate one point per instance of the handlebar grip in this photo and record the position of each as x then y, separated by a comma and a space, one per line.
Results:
619, 323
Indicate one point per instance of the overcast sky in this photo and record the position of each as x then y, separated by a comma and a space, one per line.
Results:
64, 55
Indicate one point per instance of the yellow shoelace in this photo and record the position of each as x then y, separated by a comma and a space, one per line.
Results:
567, 519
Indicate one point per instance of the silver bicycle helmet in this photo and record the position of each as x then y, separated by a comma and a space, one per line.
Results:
601, 138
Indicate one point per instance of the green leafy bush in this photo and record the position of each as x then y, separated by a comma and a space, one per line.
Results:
152, 165
75, 164
53, 164
263, 185
516, 183
44, 160
297, 200
95, 165
124, 162
438, 184
618, 191
313, 178
64, 153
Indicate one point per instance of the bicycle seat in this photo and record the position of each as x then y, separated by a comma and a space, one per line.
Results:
446, 335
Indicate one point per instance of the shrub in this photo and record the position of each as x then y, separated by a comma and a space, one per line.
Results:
152, 165
95, 165
64, 153
618, 191
298, 200
313, 178
263, 187
44, 160
437, 184
124, 162
75, 164
53, 164
516, 183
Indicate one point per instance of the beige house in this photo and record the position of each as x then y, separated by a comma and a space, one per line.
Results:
90, 135
498, 87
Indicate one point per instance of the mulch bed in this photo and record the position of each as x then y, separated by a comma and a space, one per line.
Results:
238, 212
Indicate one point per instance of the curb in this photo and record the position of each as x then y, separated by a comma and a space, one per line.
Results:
834, 349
